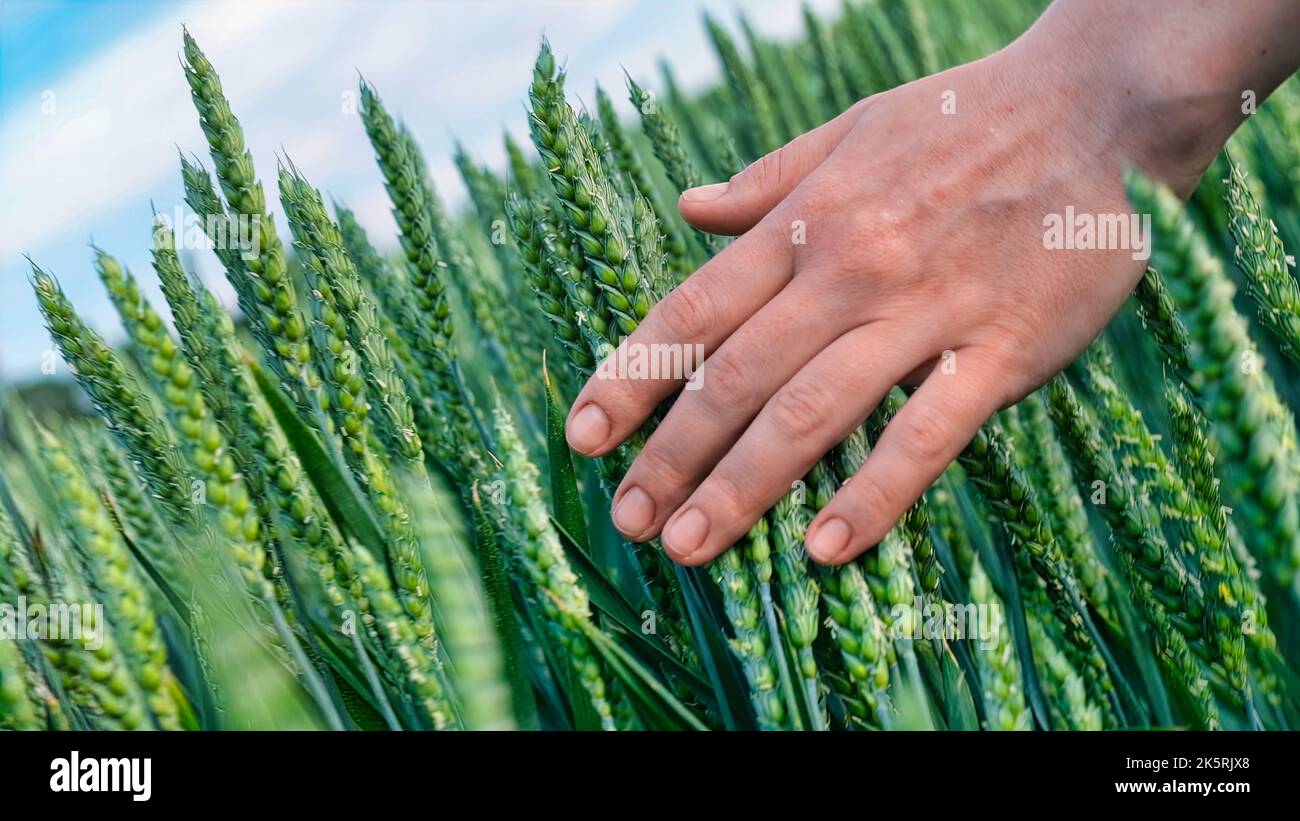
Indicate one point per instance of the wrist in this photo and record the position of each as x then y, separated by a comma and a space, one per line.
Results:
1161, 87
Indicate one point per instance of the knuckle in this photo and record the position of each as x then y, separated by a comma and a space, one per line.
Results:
1008, 352
872, 507
869, 503
727, 382
616, 394
728, 495
923, 434
885, 247
688, 312
1009, 375
661, 467
800, 409
766, 173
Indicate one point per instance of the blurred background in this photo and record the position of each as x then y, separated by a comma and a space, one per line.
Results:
94, 107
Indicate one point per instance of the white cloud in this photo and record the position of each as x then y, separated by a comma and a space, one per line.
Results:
110, 147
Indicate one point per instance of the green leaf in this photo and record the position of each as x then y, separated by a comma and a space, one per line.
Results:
354, 689
958, 699
646, 691
602, 591
731, 693
565, 495
346, 503
496, 587
1002, 569
606, 598
168, 592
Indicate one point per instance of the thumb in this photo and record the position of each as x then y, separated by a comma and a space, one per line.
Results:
735, 206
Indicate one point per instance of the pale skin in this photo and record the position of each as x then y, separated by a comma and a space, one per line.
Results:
923, 265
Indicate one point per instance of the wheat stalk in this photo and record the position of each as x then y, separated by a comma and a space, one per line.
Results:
267, 294
1262, 433
1270, 278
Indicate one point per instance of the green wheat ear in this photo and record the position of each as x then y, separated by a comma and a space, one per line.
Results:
989, 464
1169, 597
759, 128
537, 552
477, 671
108, 563
629, 163
1270, 274
1061, 682
855, 623
1230, 382
428, 324
120, 400
1000, 676
1208, 531
345, 303
20, 680
837, 97
1049, 468
18, 710
596, 214
333, 281
101, 684
267, 294
553, 297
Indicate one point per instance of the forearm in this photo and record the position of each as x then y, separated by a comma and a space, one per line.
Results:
1178, 76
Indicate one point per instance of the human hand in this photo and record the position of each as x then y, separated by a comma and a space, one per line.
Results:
897, 244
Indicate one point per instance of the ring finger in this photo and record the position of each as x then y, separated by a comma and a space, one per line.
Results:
799, 424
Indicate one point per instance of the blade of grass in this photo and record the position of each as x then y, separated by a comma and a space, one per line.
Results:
1010, 591
496, 586
565, 497
344, 500
649, 692
606, 598
719, 663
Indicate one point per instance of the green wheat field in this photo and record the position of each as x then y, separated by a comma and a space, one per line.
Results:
353, 507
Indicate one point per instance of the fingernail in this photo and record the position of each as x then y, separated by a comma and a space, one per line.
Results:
705, 193
588, 429
686, 534
829, 540
634, 513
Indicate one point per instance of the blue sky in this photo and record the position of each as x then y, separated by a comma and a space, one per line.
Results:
93, 106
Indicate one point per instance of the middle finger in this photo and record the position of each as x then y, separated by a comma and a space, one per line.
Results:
733, 385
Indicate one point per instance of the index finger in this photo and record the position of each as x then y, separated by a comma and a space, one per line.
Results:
687, 325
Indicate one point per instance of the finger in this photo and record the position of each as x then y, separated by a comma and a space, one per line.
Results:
918, 374
923, 438
723, 398
735, 206
691, 321
801, 422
